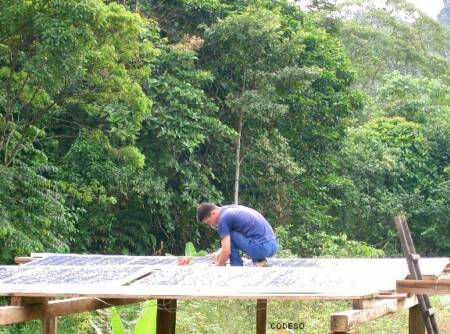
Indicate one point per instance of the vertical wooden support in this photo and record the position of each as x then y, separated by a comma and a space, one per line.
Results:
416, 325
166, 318
15, 301
48, 325
261, 316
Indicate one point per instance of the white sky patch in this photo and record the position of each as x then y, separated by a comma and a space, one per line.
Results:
430, 7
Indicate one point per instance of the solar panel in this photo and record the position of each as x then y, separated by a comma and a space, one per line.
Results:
74, 275
247, 279
154, 260
10, 271
81, 260
287, 262
107, 260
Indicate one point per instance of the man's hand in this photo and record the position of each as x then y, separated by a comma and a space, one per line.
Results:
184, 261
216, 256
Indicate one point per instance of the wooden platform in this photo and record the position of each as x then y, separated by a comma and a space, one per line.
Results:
122, 277
96, 281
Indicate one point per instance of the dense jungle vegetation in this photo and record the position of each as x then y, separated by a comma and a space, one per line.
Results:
118, 117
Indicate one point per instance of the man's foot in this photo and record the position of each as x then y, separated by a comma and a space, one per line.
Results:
261, 263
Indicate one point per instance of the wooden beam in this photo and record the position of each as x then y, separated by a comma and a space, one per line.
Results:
54, 308
168, 292
166, 318
429, 287
362, 304
347, 320
23, 259
416, 325
261, 316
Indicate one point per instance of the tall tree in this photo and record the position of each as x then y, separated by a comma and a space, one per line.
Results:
64, 66
388, 36
250, 58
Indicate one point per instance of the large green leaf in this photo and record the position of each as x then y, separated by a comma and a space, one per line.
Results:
189, 250
147, 322
116, 322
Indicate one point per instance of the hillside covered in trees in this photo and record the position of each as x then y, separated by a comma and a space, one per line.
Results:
118, 117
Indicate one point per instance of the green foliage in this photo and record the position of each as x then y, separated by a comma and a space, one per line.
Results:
33, 214
339, 246
445, 302
116, 322
174, 139
381, 37
388, 161
416, 99
297, 243
191, 251
289, 84
146, 324
111, 189
116, 120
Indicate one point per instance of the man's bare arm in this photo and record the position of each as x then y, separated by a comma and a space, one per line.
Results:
225, 251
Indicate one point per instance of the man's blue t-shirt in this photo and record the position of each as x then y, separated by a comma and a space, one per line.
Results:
246, 221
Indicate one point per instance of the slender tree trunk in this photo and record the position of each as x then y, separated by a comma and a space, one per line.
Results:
238, 159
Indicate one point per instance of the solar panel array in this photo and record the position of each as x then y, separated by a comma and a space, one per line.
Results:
106, 260
160, 275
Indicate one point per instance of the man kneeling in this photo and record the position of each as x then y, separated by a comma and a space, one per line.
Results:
240, 228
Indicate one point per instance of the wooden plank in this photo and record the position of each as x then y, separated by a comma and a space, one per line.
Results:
392, 296
361, 304
429, 287
23, 259
261, 316
416, 325
346, 320
166, 318
54, 308
159, 292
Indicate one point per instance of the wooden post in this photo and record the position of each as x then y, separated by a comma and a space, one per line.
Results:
261, 316
48, 325
166, 318
416, 325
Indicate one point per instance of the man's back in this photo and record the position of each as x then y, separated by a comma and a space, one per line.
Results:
246, 221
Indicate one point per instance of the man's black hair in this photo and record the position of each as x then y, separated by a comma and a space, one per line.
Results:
204, 210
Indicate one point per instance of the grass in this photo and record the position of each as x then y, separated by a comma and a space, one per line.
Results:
236, 316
